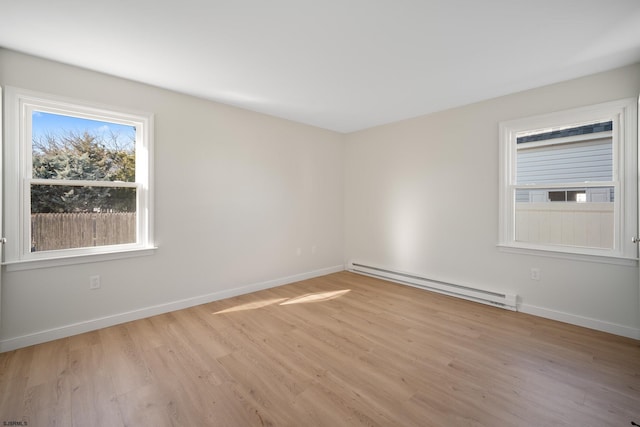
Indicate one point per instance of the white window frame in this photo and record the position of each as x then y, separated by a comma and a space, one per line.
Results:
19, 103
623, 113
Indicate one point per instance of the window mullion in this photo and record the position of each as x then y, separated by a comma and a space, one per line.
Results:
82, 183
564, 185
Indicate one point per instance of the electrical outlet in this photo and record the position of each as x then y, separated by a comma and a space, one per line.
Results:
94, 282
535, 273
299, 251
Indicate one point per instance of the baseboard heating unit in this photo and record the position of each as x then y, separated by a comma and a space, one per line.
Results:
497, 299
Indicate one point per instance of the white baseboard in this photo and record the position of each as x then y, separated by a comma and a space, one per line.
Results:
115, 319
587, 322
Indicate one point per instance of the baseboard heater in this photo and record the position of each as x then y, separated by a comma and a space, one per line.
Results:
506, 301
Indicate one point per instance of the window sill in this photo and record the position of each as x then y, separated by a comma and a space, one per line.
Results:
604, 259
76, 259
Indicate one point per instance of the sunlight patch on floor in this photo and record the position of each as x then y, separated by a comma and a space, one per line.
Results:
316, 297
251, 305
302, 299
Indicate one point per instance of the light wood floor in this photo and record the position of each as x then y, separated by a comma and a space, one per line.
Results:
339, 350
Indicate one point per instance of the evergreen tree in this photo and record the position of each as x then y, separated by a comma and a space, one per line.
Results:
82, 156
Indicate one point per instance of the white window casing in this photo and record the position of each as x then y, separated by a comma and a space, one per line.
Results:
19, 105
622, 183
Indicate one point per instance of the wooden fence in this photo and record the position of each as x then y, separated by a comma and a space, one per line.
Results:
51, 231
588, 225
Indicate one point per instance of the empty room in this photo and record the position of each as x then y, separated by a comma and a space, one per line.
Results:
319, 213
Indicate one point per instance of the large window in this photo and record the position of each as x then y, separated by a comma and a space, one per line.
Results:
568, 181
77, 177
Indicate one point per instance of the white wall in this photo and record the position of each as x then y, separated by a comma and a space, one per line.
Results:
236, 193
421, 196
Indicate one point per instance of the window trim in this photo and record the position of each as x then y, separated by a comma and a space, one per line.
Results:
624, 138
18, 105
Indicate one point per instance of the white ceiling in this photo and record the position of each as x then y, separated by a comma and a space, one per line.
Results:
343, 65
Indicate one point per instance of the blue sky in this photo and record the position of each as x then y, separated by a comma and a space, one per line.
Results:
47, 123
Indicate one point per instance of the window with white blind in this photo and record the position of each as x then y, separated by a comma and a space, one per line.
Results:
567, 182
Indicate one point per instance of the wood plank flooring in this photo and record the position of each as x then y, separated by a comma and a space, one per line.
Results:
339, 350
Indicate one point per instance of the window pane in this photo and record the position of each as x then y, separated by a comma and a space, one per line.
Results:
74, 148
557, 196
576, 196
566, 131
578, 153
66, 217
570, 162
572, 217
580, 195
